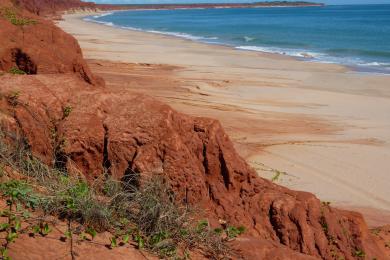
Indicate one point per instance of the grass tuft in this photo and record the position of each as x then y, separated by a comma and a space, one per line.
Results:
11, 15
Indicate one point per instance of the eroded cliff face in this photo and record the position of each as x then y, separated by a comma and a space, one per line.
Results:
69, 122
48, 7
37, 46
133, 135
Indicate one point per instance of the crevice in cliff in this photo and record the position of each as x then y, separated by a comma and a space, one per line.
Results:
23, 62
224, 170
131, 177
209, 191
79, 68
274, 223
106, 161
205, 160
60, 157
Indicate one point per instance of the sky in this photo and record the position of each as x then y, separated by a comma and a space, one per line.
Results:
235, 1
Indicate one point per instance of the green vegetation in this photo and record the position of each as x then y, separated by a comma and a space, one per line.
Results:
13, 98
12, 16
233, 232
375, 231
19, 197
276, 176
66, 111
147, 215
324, 225
17, 71
359, 253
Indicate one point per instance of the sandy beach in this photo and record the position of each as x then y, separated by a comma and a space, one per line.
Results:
315, 127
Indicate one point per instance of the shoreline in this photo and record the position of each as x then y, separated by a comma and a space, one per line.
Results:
270, 4
317, 125
299, 55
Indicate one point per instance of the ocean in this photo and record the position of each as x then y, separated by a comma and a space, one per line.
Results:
354, 35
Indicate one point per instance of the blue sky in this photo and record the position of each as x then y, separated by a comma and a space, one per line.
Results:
235, 1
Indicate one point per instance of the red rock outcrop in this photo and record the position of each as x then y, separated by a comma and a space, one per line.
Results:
38, 46
134, 134
45, 7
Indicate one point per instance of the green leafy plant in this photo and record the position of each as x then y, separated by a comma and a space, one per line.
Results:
4, 253
91, 231
233, 232
218, 231
113, 242
157, 238
126, 238
18, 191
17, 71
68, 234
15, 192
35, 230
140, 241
45, 229
359, 253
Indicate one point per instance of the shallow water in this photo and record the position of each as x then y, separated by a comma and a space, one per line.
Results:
354, 35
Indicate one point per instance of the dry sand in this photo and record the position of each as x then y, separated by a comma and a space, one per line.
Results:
308, 126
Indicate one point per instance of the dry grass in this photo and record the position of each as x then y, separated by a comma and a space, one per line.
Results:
148, 213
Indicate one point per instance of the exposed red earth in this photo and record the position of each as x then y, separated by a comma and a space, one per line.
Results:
48, 7
135, 134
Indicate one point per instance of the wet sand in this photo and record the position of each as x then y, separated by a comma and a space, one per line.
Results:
308, 126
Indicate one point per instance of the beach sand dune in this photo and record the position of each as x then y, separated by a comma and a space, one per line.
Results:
308, 126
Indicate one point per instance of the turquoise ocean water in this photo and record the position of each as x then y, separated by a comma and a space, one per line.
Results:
353, 35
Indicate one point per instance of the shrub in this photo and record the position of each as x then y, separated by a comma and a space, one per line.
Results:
74, 200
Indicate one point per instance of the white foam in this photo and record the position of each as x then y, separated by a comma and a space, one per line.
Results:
379, 64
102, 15
248, 39
182, 35
175, 34
100, 22
380, 67
289, 52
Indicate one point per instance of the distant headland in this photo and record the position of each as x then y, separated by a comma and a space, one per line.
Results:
208, 5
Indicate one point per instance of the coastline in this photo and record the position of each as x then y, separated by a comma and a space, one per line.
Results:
307, 55
271, 4
296, 118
